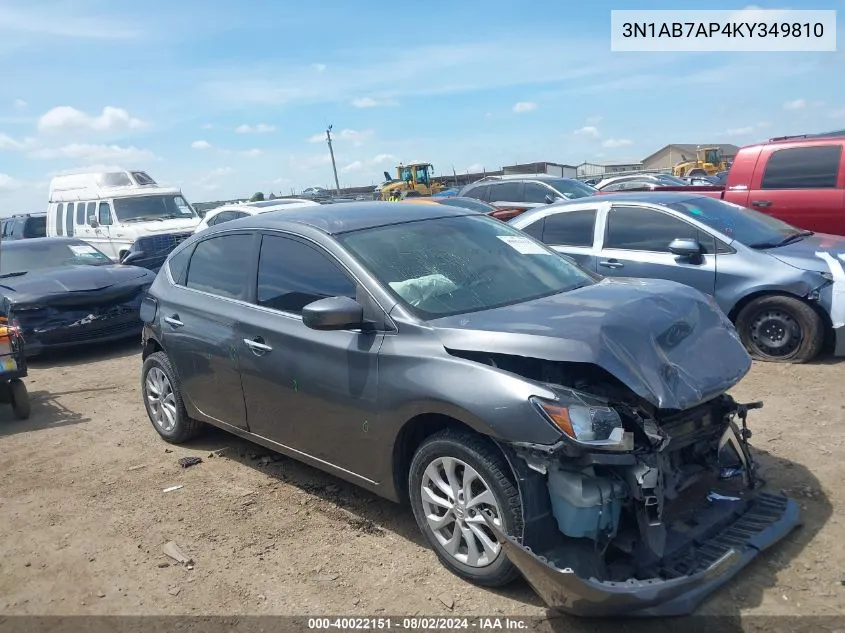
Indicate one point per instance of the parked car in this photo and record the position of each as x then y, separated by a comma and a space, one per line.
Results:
63, 292
640, 181
798, 179
525, 193
537, 418
229, 212
24, 226
780, 285
503, 214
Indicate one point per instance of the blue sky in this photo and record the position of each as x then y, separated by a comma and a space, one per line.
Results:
225, 99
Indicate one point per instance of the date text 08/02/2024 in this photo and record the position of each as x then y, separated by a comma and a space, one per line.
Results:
418, 623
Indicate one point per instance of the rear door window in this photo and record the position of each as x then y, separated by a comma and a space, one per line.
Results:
221, 266
506, 192
482, 192
80, 213
803, 168
570, 228
292, 274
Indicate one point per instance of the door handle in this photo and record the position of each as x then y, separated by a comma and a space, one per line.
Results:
761, 203
257, 345
173, 321
611, 263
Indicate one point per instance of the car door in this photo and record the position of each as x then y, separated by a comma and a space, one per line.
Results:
635, 243
82, 229
804, 186
572, 232
200, 318
311, 391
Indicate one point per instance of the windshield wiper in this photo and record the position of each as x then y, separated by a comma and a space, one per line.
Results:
145, 218
787, 240
14, 274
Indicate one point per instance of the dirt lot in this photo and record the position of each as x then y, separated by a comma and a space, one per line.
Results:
84, 517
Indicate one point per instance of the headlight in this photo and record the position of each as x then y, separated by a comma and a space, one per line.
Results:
589, 426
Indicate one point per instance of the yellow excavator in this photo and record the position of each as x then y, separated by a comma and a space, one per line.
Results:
708, 161
415, 177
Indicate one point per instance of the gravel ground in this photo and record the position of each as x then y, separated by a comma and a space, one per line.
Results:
84, 515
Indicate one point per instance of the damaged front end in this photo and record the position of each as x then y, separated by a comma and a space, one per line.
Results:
639, 511
78, 318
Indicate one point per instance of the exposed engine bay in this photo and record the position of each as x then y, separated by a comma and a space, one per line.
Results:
655, 508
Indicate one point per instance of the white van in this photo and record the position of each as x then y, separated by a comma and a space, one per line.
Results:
110, 210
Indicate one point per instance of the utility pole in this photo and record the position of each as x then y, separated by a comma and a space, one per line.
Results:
331, 152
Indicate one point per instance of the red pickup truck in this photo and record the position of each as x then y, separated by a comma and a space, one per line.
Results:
799, 179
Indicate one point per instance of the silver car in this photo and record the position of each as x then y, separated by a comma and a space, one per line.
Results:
783, 288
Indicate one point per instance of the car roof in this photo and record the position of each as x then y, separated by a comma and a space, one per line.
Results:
345, 217
654, 197
41, 240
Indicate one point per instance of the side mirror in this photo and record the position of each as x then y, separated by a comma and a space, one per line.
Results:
684, 247
92, 221
333, 313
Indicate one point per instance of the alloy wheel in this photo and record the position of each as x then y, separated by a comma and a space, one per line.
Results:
161, 400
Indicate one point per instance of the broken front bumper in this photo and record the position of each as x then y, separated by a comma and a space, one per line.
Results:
719, 546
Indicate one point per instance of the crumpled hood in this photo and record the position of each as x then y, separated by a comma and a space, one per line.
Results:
665, 341
40, 285
802, 254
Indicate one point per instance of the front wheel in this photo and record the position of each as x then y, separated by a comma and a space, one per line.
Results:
783, 329
455, 476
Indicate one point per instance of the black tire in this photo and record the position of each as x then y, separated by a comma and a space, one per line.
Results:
776, 328
482, 455
696, 172
20, 399
184, 428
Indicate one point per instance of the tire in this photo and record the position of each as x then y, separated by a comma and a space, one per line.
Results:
163, 401
19, 399
465, 449
696, 172
776, 328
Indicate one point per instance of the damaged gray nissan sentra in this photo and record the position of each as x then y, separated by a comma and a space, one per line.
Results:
537, 417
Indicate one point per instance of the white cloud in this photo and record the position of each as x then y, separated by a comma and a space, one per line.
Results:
261, 128
96, 153
208, 126
54, 20
588, 130
594, 120
754, 13
252, 152
208, 180
368, 102
7, 183
616, 142
740, 131
354, 136
383, 158
9, 143
201, 145
353, 166
797, 104
475, 168
524, 106
319, 67
20, 104
68, 118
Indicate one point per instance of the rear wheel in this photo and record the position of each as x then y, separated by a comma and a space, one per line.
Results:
163, 401
780, 329
455, 476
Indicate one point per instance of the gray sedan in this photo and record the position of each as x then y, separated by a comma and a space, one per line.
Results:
782, 287
440, 357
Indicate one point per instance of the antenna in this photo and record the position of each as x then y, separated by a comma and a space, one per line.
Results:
331, 152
